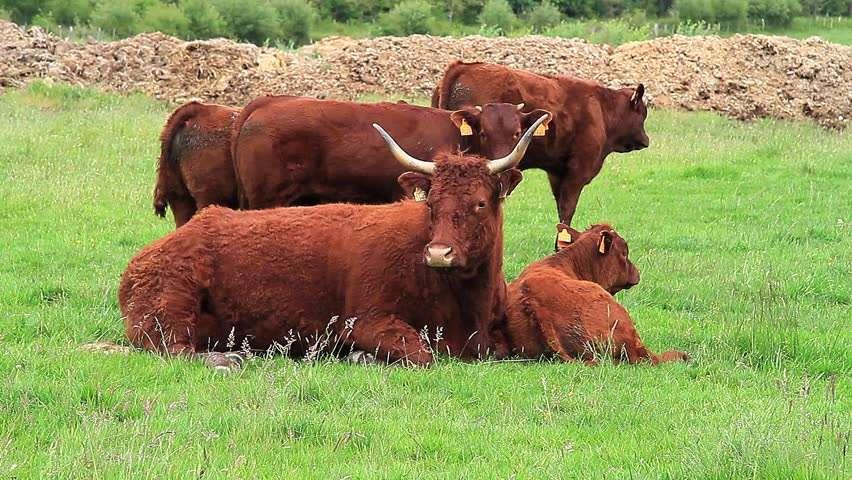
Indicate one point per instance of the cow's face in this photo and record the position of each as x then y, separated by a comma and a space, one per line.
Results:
631, 113
464, 201
606, 253
496, 127
464, 195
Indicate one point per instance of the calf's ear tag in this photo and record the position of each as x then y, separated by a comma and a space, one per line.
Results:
465, 129
541, 130
602, 245
564, 236
419, 195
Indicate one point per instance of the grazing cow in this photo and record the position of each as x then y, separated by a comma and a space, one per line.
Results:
589, 120
562, 305
195, 168
266, 276
304, 151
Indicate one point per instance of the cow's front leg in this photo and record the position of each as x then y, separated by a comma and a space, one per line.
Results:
566, 191
391, 339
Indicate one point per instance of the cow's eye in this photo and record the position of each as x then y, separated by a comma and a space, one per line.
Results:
481, 204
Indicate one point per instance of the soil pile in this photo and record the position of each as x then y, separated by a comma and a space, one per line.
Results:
745, 76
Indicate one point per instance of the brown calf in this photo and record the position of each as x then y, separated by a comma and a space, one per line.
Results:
304, 151
195, 168
396, 269
589, 120
562, 304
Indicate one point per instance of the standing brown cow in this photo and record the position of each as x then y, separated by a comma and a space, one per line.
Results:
195, 168
397, 268
562, 305
589, 120
304, 151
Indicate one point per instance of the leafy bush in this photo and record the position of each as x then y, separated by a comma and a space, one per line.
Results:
460, 11
614, 31
297, 19
203, 20
166, 18
68, 12
576, 8
727, 12
118, 18
543, 16
407, 18
774, 12
253, 21
498, 13
338, 10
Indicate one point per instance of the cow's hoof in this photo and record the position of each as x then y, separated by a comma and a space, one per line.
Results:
361, 358
229, 362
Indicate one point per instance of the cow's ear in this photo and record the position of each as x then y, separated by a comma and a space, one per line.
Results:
636, 98
565, 236
466, 120
530, 117
415, 185
507, 181
605, 243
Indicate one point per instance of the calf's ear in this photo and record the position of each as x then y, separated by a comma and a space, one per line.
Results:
636, 98
507, 181
415, 185
605, 243
466, 120
565, 236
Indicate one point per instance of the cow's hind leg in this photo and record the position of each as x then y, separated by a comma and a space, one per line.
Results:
391, 340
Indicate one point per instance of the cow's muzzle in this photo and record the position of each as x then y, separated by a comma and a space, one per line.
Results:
439, 255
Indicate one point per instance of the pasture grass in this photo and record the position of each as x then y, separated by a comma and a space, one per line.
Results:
741, 231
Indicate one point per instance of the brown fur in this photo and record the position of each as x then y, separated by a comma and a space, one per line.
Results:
562, 305
195, 168
303, 151
270, 274
590, 120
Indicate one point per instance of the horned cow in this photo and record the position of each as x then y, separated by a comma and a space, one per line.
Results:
390, 270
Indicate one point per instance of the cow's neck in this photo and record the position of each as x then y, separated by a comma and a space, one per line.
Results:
610, 115
574, 262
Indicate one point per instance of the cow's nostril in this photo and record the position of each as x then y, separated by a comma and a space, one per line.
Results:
439, 255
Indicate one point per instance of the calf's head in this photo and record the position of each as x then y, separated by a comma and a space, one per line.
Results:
630, 112
495, 128
601, 253
464, 196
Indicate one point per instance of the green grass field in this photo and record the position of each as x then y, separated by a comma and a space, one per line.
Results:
741, 231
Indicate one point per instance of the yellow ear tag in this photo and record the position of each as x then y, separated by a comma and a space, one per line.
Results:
602, 245
564, 236
419, 195
541, 130
465, 129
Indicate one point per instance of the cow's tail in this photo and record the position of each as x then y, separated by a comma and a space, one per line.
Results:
169, 181
237, 127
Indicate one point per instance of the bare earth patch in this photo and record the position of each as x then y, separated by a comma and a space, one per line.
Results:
744, 76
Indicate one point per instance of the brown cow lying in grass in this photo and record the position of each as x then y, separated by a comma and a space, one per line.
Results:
263, 277
195, 168
562, 305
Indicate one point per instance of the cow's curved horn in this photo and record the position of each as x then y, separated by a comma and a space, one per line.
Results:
520, 106
514, 157
407, 160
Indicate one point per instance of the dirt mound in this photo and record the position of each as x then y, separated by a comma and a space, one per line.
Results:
745, 76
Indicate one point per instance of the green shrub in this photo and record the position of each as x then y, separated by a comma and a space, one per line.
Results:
576, 8
498, 13
117, 18
253, 21
166, 18
338, 10
407, 18
695, 10
543, 16
203, 20
69, 12
613, 31
732, 13
297, 17
774, 12
460, 11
